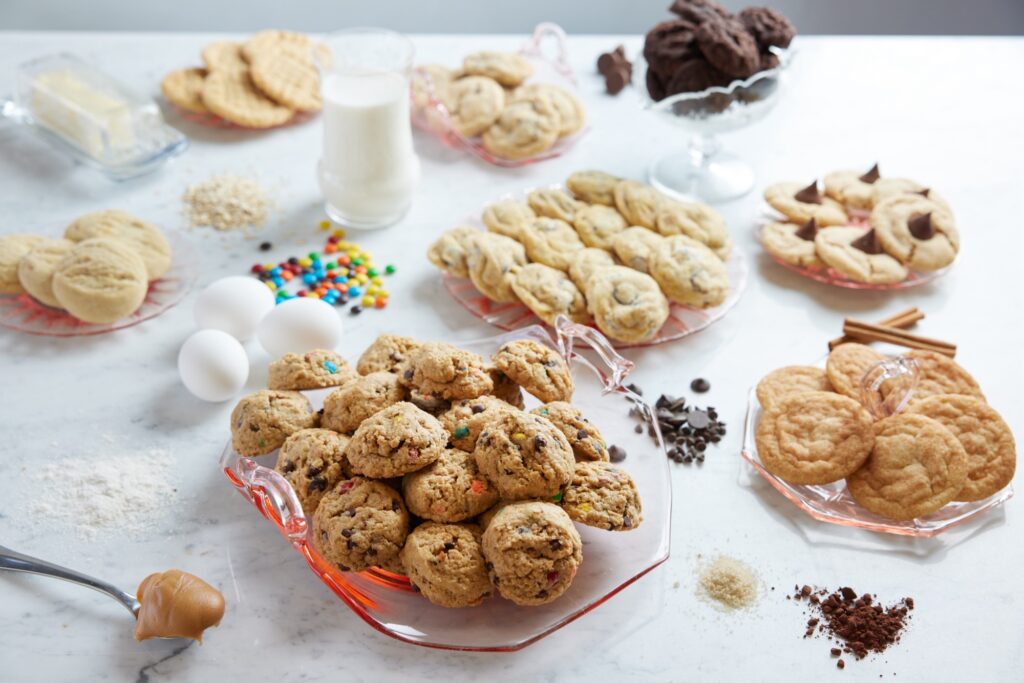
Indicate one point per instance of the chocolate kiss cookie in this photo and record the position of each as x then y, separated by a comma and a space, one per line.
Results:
729, 47
768, 26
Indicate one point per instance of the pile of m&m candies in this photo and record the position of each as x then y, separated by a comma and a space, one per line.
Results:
342, 274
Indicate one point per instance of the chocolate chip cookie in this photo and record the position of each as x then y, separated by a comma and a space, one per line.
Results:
449, 251
549, 293
532, 552
593, 187
313, 461
508, 217
689, 273
262, 421
451, 489
635, 245
597, 225
524, 456
474, 103
638, 203
587, 262
445, 563
584, 438
554, 203
360, 524
491, 256
537, 368
523, 129
346, 407
507, 68
395, 441
603, 496
551, 241
627, 305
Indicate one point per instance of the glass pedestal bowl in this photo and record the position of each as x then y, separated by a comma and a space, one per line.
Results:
704, 171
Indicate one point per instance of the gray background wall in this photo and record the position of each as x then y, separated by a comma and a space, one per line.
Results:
994, 17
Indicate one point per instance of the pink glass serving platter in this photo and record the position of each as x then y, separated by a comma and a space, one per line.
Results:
611, 560
682, 320
432, 115
831, 276
833, 503
23, 313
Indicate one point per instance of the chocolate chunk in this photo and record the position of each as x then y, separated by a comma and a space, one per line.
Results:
769, 27
809, 195
698, 419
555, 544
476, 408
868, 243
266, 246
925, 192
317, 484
539, 442
346, 533
871, 176
449, 546
729, 47
289, 467
635, 389
840, 664
921, 226
616, 453
617, 79
581, 434
808, 230
700, 385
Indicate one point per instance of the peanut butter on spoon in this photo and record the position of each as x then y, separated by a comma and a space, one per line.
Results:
176, 604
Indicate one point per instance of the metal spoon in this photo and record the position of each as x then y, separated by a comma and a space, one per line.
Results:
17, 562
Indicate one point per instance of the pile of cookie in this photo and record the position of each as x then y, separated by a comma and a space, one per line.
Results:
946, 444
423, 461
261, 83
99, 272
488, 97
614, 249
709, 46
867, 227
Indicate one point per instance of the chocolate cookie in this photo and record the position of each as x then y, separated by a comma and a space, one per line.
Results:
695, 75
729, 47
668, 44
768, 26
698, 11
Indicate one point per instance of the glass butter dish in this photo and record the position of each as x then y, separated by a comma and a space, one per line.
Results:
92, 116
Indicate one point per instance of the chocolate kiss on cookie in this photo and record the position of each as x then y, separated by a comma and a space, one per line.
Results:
871, 176
808, 230
921, 226
926, 192
868, 243
810, 194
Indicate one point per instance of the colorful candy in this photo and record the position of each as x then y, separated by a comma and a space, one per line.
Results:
341, 273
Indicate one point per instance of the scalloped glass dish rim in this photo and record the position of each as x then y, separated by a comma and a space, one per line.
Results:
665, 105
269, 492
868, 521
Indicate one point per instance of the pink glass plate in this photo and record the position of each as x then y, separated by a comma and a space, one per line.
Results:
23, 313
831, 276
432, 116
611, 560
833, 503
682, 320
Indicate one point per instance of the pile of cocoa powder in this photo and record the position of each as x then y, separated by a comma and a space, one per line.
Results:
859, 624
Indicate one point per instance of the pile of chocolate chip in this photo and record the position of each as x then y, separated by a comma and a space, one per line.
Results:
708, 46
858, 623
616, 69
686, 430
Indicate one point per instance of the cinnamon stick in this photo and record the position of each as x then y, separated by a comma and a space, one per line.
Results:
863, 331
903, 319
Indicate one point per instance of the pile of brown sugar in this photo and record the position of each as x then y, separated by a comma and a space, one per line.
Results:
729, 582
859, 624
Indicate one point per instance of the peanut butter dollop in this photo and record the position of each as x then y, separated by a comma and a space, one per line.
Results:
176, 604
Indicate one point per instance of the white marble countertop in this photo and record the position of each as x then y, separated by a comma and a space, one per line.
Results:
945, 111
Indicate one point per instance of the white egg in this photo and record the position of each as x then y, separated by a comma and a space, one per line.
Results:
213, 365
234, 305
299, 325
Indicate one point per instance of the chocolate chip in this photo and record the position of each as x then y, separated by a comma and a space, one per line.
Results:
346, 533
266, 246
539, 442
289, 467
314, 470
616, 453
639, 429
581, 434
635, 389
253, 427
840, 664
700, 385
698, 419
318, 484
555, 544
355, 310
477, 408
449, 546
408, 374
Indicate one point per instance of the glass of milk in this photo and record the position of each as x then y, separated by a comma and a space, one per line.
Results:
368, 171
